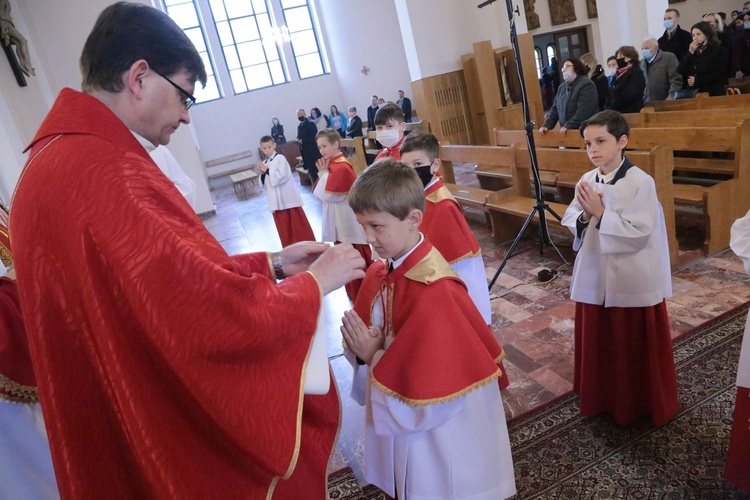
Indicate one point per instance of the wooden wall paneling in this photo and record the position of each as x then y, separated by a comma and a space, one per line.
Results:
476, 105
446, 101
489, 85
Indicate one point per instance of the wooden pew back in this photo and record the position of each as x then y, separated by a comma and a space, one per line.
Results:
357, 160
717, 102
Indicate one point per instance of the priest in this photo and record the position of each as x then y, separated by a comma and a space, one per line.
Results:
165, 367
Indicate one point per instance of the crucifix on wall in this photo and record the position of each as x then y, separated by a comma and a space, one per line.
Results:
19, 59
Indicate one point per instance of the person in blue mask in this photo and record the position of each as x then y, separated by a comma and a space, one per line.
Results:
675, 39
660, 69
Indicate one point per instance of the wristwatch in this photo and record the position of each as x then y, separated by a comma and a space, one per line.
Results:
278, 267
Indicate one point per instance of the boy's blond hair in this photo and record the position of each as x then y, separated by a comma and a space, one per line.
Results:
387, 186
421, 141
387, 112
330, 134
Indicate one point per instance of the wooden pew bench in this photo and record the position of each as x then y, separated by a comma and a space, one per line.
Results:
216, 169
702, 101
509, 208
357, 158
710, 164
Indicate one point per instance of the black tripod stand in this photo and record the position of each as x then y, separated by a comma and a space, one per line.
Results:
541, 207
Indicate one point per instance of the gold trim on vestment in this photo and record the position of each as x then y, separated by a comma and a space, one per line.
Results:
17, 393
431, 268
23, 172
440, 194
434, 401
338, 427
300, 401
469, 255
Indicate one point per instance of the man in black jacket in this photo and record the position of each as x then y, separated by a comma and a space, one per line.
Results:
306, 132
405, 104
675, 39
354, 129
371, 110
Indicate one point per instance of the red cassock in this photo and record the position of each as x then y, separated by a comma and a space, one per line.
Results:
292, 226
445, 225
394, 153
737, 469
442, 347
166, 368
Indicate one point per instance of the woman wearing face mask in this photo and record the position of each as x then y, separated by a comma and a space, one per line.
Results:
741, 48
596, 75
318, 119
337, 121
576, 99
626, 91
277, 131
704, 67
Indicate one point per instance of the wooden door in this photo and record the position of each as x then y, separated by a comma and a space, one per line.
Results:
571, 43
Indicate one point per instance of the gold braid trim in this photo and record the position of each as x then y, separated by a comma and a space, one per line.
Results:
440, 194
500, 358
434, 401
17, 393
469, 255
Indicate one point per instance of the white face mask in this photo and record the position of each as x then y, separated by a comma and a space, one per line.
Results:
611, 71
569, 76
388, 138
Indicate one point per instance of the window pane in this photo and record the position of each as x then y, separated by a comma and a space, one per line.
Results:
304, 43
285, 4
217, 9
260, 6
195, 36
238, 81
264, 25
238, 8
298, 19
233, 60
184, 15
258, 77
309, 65
245, 29
225, 33
251, 53
550, 52
169, 3
209, 93
277, 72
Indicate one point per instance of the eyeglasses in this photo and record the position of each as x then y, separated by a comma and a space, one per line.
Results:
189, 98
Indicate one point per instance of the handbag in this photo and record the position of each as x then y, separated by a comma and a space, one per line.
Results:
685, 94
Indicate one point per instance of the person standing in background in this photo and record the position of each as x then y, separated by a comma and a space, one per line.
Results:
405, 104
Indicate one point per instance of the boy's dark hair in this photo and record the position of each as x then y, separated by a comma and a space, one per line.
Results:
629, 51
387, 112
611, 58
387, 186
330, 134
614, 122
267, 138
578, 66
126, 32
421, 141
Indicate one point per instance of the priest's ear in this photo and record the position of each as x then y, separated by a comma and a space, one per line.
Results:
134, 77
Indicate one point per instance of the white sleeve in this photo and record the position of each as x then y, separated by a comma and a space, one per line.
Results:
359, 378
278, 171
630, 230
740, 241
570, 220
392, 417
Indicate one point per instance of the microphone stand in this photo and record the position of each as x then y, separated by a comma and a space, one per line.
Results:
541, 206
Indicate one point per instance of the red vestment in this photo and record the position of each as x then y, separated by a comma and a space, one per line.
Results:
737, 469
166, 368
292, 226
434, 357
444, 224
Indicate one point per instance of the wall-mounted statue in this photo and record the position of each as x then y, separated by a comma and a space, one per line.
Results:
10, 37
562, 11
532, 18
591, 8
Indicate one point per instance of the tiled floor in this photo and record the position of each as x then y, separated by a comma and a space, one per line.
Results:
533, 322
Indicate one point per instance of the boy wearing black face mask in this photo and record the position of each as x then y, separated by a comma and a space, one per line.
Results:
443, 222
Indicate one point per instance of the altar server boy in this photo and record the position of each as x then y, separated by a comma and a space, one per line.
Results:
389, 131
284, 202
623, 348
332, 188
426, 366
444, 223
738, 458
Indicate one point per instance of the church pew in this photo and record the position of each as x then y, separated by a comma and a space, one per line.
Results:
717, 102
649, 118
509, 208
720, 185
357, 160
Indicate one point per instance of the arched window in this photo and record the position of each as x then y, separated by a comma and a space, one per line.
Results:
539, 62
551, 52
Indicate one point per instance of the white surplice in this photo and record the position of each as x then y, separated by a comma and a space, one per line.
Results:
339, 222
624, 262
169, 166
740, 244
282, 193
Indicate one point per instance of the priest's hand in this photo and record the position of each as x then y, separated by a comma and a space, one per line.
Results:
337, 266
590, 200
362, 341
298, 257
